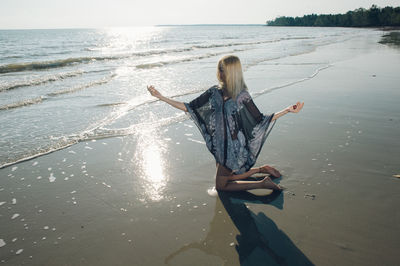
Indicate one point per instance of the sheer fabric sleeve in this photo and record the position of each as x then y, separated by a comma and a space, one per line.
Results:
200, 111
206, 113
255, 126
253, 110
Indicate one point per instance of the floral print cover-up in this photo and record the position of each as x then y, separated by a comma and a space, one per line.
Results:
234, 130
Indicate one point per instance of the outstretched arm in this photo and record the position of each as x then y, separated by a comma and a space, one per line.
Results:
290, 109
157, 94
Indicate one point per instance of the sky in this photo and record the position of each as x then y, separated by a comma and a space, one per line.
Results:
45, 14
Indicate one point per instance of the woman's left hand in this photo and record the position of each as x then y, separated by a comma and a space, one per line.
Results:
296, 108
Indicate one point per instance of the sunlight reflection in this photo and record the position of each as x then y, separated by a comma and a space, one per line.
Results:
129, 40
150, 160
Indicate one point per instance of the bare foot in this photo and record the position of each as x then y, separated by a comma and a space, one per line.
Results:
267, 183
270, 170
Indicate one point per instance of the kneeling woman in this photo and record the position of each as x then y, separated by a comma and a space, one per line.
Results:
232, 126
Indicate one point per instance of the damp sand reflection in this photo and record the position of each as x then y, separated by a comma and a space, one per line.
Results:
149, 155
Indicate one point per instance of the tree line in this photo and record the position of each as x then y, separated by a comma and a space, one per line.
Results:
361, 17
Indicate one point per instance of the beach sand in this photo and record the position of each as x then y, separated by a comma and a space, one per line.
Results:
147, 199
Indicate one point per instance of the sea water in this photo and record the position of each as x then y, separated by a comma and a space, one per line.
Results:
60, 87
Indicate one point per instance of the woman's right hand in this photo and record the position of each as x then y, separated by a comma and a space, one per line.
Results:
154, 92
157, 94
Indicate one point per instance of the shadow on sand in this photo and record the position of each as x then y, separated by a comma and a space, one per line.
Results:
259, 240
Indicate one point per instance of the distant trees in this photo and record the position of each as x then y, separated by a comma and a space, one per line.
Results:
361, 17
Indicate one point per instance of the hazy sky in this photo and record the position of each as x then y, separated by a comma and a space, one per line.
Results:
112, 13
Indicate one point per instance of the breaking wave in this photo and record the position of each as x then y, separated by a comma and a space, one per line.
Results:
39, 81
40, 65
186, 59
81, 87
22, 103
40, 99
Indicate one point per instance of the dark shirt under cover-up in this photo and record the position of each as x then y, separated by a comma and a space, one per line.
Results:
234, 130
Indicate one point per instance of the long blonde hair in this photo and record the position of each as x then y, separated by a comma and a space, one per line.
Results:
230, 75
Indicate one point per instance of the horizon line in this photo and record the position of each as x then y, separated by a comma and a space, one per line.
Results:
158, 25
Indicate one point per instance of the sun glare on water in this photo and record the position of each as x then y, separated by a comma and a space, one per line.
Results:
129, 39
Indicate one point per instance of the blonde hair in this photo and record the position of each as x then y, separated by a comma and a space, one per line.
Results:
230, 75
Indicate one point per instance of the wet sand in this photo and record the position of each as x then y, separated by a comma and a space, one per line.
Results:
145, 199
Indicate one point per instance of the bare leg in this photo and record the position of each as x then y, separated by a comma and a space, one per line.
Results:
247, 185
225, 180
221, 170
270, 170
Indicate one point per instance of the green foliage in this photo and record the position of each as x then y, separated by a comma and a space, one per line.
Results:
361, 17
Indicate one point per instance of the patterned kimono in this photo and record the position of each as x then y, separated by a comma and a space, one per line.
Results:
234, 130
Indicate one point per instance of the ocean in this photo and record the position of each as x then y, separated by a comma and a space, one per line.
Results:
63, 86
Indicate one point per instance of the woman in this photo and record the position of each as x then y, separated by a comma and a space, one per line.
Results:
233, 127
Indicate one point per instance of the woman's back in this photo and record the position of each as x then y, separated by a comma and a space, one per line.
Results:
234, 129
